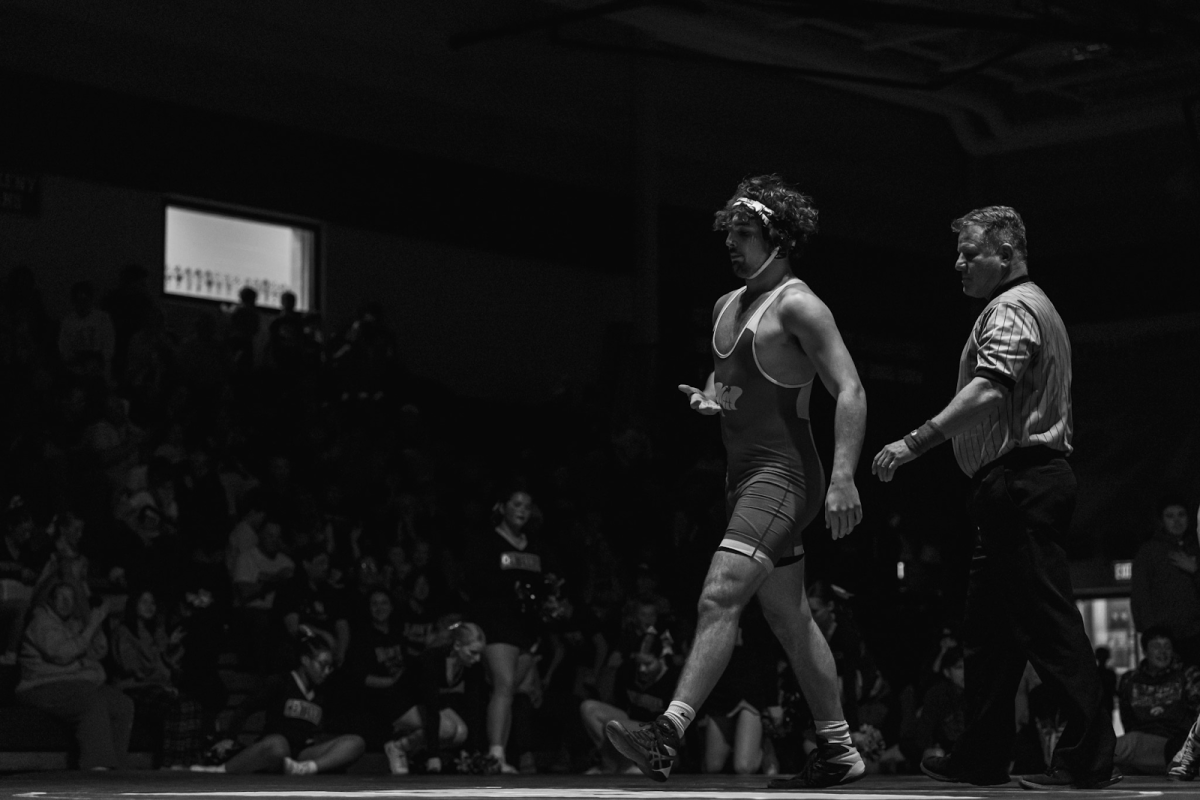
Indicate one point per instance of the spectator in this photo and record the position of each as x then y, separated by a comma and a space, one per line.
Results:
203, 361
1159, 702
644, 685
244, 536
23, 314
61, 675
293, 740
86, 340
130, 307
245, 330
147, 555
285, 494
503, 562
834, 619
66, 561
149, 359
377, 662
432, 723
286, 336
417, 614
1108, 677
1166, 580
113, 439
20, 565
743, 694
941, 719
261, 571
146, 664
309, 599
947, 642
203, 519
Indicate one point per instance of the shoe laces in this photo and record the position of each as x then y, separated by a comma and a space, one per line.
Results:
1187, 755
649, 736
810, 764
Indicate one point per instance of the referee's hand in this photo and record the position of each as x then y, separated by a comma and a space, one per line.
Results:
700, 401
889, 459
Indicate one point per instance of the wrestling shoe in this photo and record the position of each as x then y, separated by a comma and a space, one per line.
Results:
941, 768
1186, 762
829, 765
1061, 779
652, 747
396, 757
293, 767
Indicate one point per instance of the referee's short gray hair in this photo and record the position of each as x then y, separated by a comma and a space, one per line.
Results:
1000, 224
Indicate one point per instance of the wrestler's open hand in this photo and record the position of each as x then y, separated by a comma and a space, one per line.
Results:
700, 401
888, 459
843, 509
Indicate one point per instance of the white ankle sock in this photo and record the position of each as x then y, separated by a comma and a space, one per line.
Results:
834, 731
681, 714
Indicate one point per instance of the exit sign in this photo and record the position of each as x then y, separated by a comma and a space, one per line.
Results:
1123, 570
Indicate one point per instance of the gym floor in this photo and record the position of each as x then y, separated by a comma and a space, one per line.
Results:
164, 785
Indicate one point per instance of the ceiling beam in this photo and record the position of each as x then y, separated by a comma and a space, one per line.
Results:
553, 21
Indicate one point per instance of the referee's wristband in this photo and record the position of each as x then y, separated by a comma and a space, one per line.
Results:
924, 438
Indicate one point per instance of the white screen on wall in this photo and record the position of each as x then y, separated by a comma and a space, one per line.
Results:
211, 256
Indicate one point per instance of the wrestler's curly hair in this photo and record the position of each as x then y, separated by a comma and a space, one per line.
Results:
1000, 224
793, 219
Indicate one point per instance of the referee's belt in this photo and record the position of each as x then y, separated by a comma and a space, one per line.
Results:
1038, 455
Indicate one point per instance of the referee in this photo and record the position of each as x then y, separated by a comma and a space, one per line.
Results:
1010, 423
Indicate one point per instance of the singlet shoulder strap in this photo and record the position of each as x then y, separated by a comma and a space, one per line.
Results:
752, 325
728, 303
717, 323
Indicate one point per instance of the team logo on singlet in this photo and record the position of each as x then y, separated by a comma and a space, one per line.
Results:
727, 396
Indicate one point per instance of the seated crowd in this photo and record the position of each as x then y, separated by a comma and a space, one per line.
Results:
263, 501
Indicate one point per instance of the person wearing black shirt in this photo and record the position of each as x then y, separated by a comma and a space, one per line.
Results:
292, 739
431, 723
309, 599
503, 564
20, 563
643, 688
378, 665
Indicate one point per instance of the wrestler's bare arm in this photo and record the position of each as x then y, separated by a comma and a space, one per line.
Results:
803, 315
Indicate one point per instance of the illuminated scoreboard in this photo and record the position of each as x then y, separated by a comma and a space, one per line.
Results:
212, 255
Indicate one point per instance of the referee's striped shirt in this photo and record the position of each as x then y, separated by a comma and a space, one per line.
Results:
1019, 342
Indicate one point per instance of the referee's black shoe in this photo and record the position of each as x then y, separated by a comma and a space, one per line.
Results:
943, 768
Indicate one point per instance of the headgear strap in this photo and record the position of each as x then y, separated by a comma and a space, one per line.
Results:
765, 264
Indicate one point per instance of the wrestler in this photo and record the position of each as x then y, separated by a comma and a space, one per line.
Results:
771, 339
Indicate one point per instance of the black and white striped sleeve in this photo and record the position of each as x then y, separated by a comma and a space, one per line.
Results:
1009, 338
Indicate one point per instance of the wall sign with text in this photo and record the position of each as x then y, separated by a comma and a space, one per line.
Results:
19, 193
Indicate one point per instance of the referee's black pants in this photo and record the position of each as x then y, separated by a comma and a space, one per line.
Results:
1020, 606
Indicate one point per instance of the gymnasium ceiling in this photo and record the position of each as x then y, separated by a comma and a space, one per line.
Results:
1006, 75
566, 89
